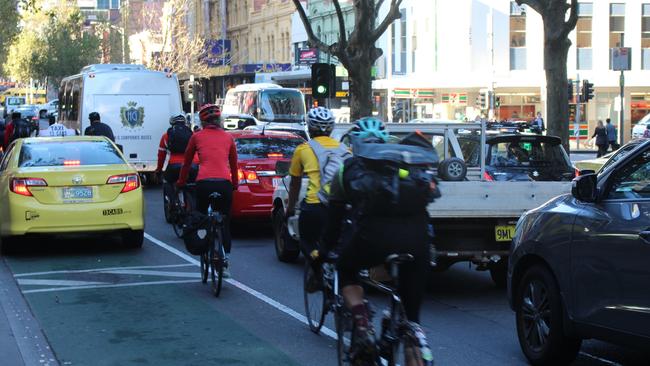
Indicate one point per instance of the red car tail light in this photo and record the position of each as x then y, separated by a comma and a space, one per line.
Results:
131, 181
21, 185
488, 177
71, 162
247, 176
275, 155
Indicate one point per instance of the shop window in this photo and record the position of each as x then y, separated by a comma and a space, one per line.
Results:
616, 27
399, 45
583, 36
517, 37
645, 37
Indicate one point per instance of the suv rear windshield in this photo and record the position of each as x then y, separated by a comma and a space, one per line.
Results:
523, 154
265, 147
61, 153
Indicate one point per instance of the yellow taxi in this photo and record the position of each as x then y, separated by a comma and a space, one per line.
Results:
62, 185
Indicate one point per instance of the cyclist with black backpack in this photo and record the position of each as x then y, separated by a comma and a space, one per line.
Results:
388, 187
319, 159
173, 144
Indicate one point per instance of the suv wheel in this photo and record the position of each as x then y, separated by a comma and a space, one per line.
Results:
452, 169
540, 315
283, 242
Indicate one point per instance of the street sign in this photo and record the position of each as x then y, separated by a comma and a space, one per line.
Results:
621, 58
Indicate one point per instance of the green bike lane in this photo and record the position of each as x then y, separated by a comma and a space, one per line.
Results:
99, 304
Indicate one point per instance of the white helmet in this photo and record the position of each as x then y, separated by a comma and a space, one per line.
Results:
320, 119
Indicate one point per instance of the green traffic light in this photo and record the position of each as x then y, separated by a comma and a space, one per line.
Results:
321, 89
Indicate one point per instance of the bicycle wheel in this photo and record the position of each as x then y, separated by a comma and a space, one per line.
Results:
412, 348
343, 336
168, 193
314, 303
205, 267
217, 262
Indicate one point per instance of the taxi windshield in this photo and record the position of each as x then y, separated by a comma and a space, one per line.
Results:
66, 153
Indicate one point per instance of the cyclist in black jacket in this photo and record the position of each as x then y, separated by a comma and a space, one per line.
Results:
97, 128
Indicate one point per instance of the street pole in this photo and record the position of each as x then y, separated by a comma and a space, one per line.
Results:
621, 123
577, 116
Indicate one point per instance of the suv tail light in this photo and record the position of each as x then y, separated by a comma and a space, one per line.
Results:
488, 177
247, 176
21, 185
131, 181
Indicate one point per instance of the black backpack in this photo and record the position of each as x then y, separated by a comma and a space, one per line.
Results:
21, 129
390, 179
178, 137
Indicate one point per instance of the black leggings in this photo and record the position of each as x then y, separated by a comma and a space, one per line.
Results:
173, 171
377, 238
203, 190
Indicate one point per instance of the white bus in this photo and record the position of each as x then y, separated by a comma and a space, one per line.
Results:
271, 105
135, 102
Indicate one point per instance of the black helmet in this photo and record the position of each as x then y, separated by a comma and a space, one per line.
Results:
94, 116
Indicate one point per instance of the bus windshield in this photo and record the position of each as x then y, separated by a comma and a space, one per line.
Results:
281, 105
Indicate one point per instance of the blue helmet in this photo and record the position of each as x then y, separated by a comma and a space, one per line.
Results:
368, 128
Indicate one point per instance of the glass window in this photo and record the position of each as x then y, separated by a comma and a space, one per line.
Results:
102, 4
617, 9
262, 148
517, 38
645, 37
61, 153
518, 58
645, 58
645, 9
584, 59
633, 180
115, 4
585, 9
281, 105
6, 158
517, 9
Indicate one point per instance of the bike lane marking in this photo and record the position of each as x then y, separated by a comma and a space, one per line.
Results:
30, 274
260, 296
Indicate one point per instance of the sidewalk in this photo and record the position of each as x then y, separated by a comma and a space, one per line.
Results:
21, 340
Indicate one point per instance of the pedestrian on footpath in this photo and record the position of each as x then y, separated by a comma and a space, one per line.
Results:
611, 134
600, 133
538, 124
98, 128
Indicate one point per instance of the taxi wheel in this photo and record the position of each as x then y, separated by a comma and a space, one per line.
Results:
133, 238
8, 244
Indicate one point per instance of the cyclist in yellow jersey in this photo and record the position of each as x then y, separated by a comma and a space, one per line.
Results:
313, 213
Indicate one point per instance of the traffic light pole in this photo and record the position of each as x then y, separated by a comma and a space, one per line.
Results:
577, 116
621, 118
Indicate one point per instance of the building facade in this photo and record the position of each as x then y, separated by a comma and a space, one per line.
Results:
440, 55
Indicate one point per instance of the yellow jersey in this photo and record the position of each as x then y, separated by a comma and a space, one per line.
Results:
304, 161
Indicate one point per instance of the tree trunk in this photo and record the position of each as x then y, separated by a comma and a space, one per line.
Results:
360, 90
557, 104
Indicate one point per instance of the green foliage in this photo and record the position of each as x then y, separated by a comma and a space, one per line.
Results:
53, 46
9, 19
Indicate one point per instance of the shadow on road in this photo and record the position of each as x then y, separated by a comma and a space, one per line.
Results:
63, 246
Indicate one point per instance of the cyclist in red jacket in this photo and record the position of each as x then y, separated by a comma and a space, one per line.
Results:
217, 167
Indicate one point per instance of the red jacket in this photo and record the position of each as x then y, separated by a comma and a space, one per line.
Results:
217, 156
9, 131
174, 158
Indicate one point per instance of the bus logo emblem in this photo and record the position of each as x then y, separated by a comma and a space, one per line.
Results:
132, 116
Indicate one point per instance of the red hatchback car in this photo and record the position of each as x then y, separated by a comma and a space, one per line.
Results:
258, 153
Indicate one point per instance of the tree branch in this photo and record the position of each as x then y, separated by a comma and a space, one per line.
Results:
393, 15
573, 20
313, 40
343, 37
537, 5
378, 6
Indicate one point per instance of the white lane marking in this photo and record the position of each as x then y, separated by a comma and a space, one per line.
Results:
33, 282
133, 284
98, 270
260, 296
154, 273
601, 359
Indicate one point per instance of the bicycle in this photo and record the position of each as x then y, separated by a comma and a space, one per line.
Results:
177, 203
400, 341
214, 260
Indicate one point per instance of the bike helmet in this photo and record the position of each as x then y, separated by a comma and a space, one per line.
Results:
370, 127
320, 119
210, 113
177, 119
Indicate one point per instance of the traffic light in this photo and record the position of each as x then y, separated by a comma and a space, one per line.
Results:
482, 101
323, 78
497, 102
570, 89
190, 90
587, 90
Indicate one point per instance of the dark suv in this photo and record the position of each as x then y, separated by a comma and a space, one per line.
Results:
580, 264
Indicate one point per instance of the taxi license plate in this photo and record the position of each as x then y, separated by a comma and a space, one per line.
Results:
276, 182
77, 193
504, 232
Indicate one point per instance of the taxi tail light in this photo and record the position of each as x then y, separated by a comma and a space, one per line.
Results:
488, 177
247, 176
21, 185
131, 181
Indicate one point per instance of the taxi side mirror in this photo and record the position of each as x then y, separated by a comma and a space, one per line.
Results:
585, 188
282, 168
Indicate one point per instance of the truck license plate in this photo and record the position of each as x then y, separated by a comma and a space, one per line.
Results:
504, 232
75, 193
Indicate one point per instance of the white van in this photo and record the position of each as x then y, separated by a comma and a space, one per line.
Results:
272, 106
135, 102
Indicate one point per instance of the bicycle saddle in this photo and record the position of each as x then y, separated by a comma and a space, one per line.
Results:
399, 259
215, 195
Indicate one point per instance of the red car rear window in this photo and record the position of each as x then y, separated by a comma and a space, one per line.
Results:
266, 147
